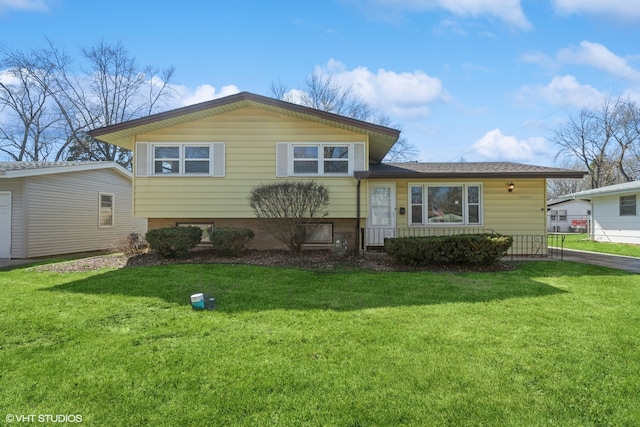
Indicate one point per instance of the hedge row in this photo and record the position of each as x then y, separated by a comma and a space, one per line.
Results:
230, 241
461, 249
177, 242
174, 242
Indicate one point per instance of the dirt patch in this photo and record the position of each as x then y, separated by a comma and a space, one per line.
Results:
309, 260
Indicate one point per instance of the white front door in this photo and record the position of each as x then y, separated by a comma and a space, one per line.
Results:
381, 223
5, 224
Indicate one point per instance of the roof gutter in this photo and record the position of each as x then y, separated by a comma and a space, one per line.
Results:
465, 175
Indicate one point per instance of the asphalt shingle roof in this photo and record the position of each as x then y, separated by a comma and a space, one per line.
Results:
21, 169
18, 166
465, 170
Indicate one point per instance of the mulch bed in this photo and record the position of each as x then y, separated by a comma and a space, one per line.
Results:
308, 260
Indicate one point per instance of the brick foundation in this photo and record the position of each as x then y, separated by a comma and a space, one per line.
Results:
343, 230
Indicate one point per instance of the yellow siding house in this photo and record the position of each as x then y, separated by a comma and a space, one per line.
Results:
198, 164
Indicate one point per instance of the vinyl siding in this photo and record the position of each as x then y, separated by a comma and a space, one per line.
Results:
250, 136
62, 212
609, 226
521, 212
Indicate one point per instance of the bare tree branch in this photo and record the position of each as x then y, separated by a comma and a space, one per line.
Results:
323, 93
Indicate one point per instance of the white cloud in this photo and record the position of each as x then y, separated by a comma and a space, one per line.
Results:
401, 95
495, 146
509, 11
203, 93
562, 91
538, 58
24, 5
449, 26
626, 10
598, 56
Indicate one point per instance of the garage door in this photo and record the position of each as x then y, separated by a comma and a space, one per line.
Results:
5, 224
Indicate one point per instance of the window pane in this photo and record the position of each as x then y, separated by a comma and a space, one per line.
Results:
195, 166
196, 152
416, 194
105, 201
445, 204
416, 214
473, 194
336, 166
106, 210
336, 152
305, 152
628, 205
167, 166
474, 214
305, 167
167, 152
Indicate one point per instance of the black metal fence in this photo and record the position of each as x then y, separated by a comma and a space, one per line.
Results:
524, 245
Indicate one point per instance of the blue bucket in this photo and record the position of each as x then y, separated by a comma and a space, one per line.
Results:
197, 301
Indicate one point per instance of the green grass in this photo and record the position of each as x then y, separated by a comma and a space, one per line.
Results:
549, 343
582, 242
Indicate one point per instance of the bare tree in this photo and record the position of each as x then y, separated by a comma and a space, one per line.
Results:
606, 142
106, 86
290, 210
560, 186
28, 131
627, 135
322, 92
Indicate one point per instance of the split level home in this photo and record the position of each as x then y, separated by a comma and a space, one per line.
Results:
54, 208
198, 164
613, 212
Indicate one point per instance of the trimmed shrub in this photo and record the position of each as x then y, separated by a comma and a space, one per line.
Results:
174, 242
289, 210
230, 241
461, 249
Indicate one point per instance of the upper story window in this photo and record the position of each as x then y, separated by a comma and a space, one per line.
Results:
320, 158
628, 205
177, 159
445, 204
182, 159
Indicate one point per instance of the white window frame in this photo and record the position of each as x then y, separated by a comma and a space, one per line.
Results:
321, 159
182, 159
465, 205
112, 213
624, 203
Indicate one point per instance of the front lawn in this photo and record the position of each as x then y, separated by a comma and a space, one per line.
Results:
549, 343
581, 241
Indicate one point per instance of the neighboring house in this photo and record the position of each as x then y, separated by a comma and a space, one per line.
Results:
568, 215
53, 208
614, 212
198, 164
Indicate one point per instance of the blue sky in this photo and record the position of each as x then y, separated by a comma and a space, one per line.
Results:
479, 80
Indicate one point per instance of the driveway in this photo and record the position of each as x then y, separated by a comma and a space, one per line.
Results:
618, 262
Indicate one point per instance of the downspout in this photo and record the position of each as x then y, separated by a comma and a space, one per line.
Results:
358, 218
